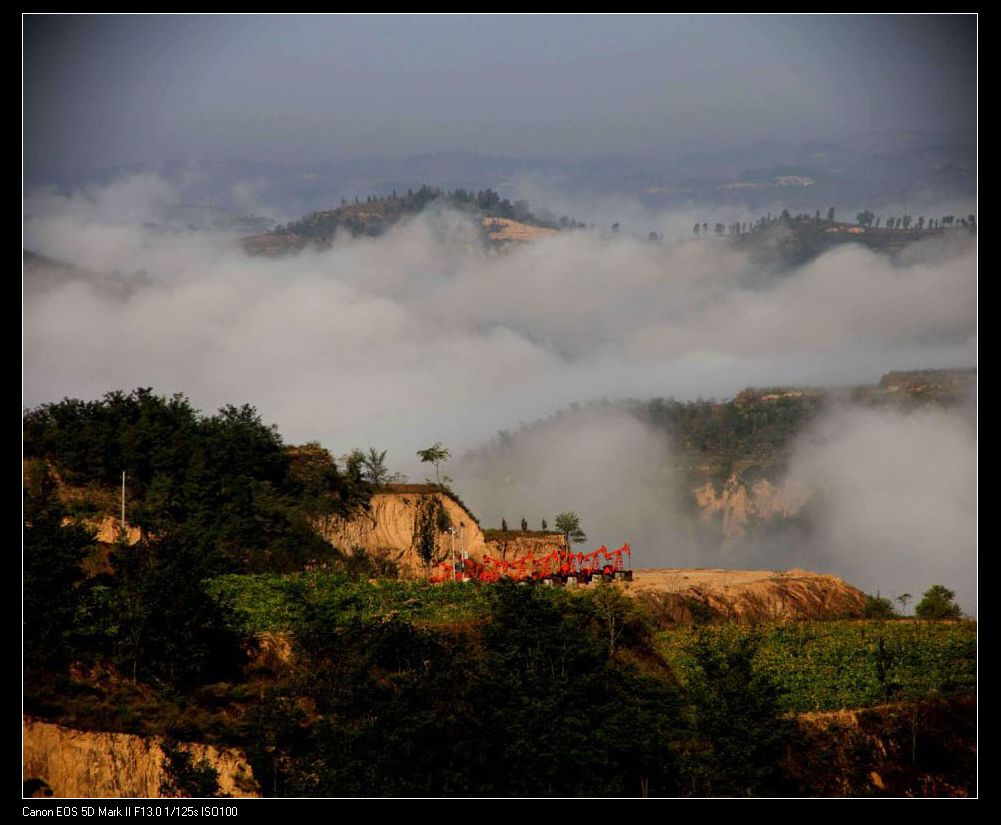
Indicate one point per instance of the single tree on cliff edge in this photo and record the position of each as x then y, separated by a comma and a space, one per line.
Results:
436, 454
569, 525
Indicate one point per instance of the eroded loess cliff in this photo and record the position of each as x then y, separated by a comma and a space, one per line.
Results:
739, 504
388, 528
516, 545
75, 763
679, 596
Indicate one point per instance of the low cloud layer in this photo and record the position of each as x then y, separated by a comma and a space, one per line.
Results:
617, 473
889, 497
422, 336
895, 499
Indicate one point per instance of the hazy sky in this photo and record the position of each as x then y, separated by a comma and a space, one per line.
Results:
103, 91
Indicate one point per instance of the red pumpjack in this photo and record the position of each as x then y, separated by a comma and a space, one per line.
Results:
560, 567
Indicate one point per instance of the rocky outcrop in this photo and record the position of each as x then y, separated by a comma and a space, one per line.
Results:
388, 528
65, 762
738, 504
679, 596
107, 530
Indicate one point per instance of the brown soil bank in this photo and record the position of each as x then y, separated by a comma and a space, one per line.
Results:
680, 596
925, 749
387, 528
514, 544
76, 763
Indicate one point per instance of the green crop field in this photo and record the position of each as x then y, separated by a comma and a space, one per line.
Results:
849, 664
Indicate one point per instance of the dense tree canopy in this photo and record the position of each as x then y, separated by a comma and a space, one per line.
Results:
210, 495
938, 602
52, 572
531, 704
740, 725
226, 482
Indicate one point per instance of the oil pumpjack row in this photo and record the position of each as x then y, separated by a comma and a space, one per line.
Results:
560, 567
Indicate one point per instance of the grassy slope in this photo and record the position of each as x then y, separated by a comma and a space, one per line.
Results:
820, 665
272, 603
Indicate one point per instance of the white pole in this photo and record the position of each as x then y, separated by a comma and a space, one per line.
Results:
123, 501
452, 531
462, 548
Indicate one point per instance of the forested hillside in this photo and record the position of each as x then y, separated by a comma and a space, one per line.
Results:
376, 214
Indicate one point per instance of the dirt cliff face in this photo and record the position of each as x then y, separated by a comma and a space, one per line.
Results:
738, 504
388, 526
678, 596
518, 545
75, 763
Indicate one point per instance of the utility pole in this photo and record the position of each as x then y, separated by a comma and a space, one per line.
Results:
451, 531
123, 501
462, 547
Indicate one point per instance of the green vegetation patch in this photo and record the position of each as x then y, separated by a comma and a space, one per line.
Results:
271, 602
848, 664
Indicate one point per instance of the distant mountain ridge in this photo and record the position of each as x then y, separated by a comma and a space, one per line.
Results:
852, 171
